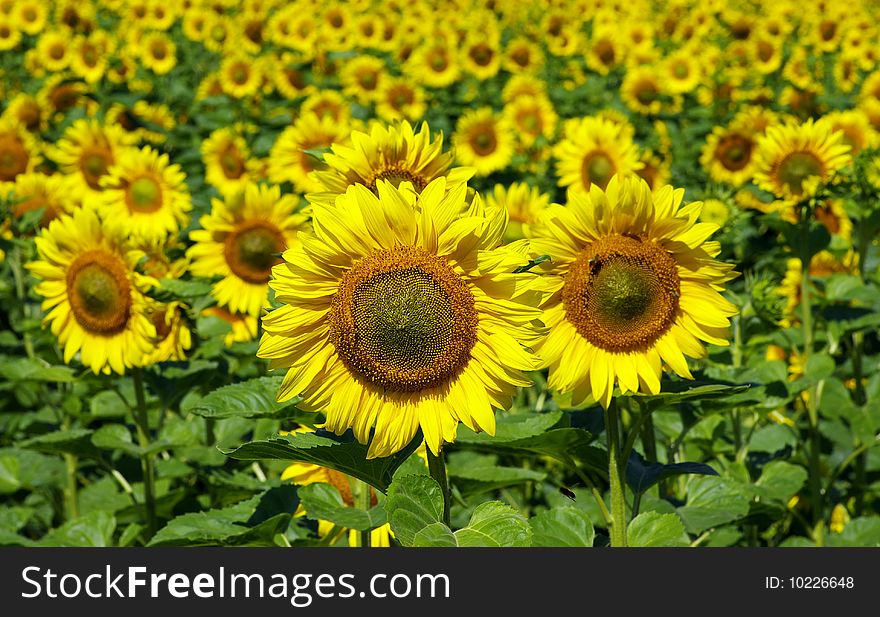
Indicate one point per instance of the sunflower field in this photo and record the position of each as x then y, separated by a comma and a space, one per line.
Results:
439, 273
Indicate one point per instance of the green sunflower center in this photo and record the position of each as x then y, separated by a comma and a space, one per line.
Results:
797, 167
403, 320
94, 164
598, 169
621, 294
99, 292
252, 250
144, 195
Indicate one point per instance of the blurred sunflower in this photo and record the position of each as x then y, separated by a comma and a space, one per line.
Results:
25, 110
228, 166
483, 140
855, 127
789, 156
86, 152
634, 284
244, 327
391, 321
30, 16
481, 55
394, 153
729, 155
593, 150
53, 50
158, 53
362, 77
641, 90
522, 55
36, 191
240, 76
435, 64
398, 99
531, 118
523, 204
144, 195
293, 159
19, 152
93, 298
241, 240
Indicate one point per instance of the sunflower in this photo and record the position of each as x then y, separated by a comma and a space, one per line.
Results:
292, 157
89, 59
362, 77
53, 50
139, 119
94, 299
243, 326
10, 35
481, 55
522, 55
398, 99
394, 153
36, 191
173, 337
158, 53
483, 140
655, 170
531, 118
19, 153
523, 85
434, 64
86, 152
681, 71
594, 149
729, 155
239, 240
523, 204
856, 128
26, 111
145, 195
30, 16
240, 76
605, 50
228, 166
400, 313
634, 284
642, 91
822, 264
792, 156
327, 104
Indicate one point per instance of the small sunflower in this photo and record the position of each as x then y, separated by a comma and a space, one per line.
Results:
86, 152
145, 195
791, 157
292, 158
634, 284
856, 129
399, 313
240, 76
26, 111
36, 191
394, 153
19, 153
240, 240
53, 50
483, 140
481, 55
642, 91
227, 159
435, 64
158, 53
399, 99
362, 77
729, 155
523, 204
244, 327
522, 55
531, 118
594, 149
93, 298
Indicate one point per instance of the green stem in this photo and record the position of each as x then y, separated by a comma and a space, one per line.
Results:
365, 502
21, 294
143, 430
616, 476
437, 469
606, 515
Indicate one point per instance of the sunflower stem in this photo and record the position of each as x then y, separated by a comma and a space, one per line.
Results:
21, 293
437, 469
364, 501
71, 499
616, 476
143, 430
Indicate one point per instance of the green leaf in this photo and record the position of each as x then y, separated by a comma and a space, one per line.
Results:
495, 524
254, 398
780, 481
473, 480
223, 526
26, 369
772, 438
512, 428
819, 366
324, 502
73, 441
532, 263
642, 475
92, 529
667, 399
862, 531
9, 474
115, 437
413, 503
651, 529
435, 535
562, 526
712, 501
347, 457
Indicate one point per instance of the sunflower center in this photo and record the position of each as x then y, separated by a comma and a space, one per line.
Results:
647, 93
99, 292
231, 162
621, 293
93, 164
403, 320
160, 322
144, 195
483, 141
681, 71
396, 175
597, 169
251, 251
735, 152
797, 167
13, 157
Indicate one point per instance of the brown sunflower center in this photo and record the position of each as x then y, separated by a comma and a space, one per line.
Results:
144, 195
99, 292
252, 250
161, 323
647, 92
94, 163
396, 175
597, 169
481, 54
403, 320
13, 157
483, 140
735, 151
797, 167
231, 162
621, 294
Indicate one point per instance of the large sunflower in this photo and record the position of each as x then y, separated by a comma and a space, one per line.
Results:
145, 195
634, 284
594, 149
240, 240
395, 153
791, 155
400, 313
94, 299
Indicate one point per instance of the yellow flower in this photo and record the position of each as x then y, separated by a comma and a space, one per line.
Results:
53, 50
290, 159
729, 155
790, 156
394, 153
634, 284
145, 196
483, 140
30, 16
243, 326
681, 71
240, 240
10, 35
399, 99
240, 76
641, 90
531, 118
93, 299
35, 191
18, 151
26, 111
523, 204
89, 57
480, 55
228, 166
594, 149
158, 53
362, 77
399, 313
